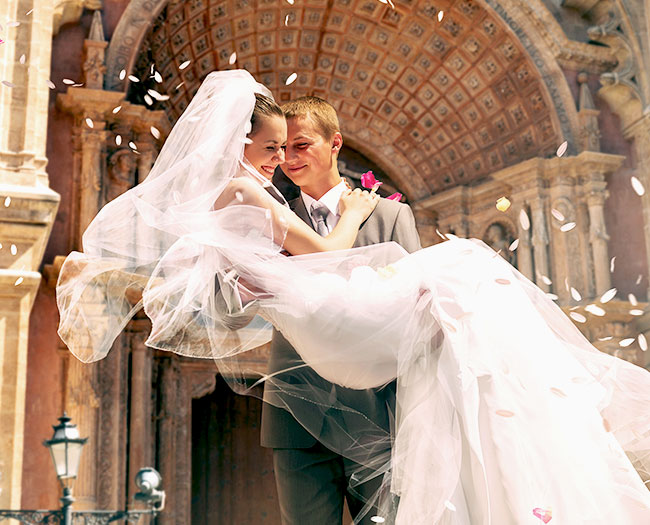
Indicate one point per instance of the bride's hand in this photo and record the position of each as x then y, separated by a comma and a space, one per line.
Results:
358, 201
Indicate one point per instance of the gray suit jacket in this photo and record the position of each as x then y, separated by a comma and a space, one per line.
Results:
390, 221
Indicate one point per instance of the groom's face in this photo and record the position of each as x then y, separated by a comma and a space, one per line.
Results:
309, 155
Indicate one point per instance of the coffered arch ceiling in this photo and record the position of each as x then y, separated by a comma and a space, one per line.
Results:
435, 103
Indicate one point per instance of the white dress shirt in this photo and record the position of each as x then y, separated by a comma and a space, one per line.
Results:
331, 202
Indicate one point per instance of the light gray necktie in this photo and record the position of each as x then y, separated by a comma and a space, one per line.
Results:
319, 212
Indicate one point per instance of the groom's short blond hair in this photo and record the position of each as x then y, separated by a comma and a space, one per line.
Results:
319, 111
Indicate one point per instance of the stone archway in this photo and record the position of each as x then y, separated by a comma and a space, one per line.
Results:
483, 91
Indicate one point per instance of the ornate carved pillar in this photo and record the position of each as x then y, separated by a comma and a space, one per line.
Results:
598, 235
27, 210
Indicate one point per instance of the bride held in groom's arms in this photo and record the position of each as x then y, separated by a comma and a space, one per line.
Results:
504, 413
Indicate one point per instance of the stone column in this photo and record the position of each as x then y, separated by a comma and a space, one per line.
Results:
524, 253
168, 446
425, 221
540, 243
27, 211
639, 133
140, 428
598, 236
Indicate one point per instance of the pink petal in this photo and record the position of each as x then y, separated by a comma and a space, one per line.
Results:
368, 180
395, 197
543, 514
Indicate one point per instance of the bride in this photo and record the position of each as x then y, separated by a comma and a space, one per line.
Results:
505, 414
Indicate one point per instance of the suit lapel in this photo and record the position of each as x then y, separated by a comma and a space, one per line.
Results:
299, 208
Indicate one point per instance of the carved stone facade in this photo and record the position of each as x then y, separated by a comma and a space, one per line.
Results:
460, 103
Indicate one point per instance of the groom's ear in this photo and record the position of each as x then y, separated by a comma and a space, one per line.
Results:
337, 142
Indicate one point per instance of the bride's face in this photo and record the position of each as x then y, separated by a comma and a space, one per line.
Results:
267, 149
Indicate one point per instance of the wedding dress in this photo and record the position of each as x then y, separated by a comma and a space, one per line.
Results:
504, 412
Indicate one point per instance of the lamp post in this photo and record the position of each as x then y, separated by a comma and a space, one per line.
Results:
65, 448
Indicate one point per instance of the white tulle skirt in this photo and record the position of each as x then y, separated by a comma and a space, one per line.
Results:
505, 413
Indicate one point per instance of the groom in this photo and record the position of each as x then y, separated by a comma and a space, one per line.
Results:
312, 481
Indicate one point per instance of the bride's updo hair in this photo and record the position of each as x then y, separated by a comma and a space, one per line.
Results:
264, 107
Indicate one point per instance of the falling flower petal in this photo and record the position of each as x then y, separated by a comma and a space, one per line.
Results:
29, 12
116, 109
18, 281
132, 145
68, 82
552, 296
286, 20
608, 295
158, 77
632, 298
51, 84
133, 78
576, 294
543, 514
148, 100
639, 279
607, 338
636, 311
504, 413
290, 2
291, 79
514, 245
184, 64
22, 59
567, 227
13, 24
155, 132
558, 392
637, 186
643, 342
374, 519
123, 74
546, 280
595, 310
624, 343
179, 86
397, 196
557, 214
9, 84
440, 15
2, 41
118, 140
612, 264
578, 317
233, 57
450, 506
7, 201
78, 85
503, 204
561, 150
13, 249
524, 220
90, 123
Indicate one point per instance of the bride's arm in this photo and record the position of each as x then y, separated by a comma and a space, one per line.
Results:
300, 238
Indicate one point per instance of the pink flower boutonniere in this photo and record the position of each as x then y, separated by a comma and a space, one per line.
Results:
369, 182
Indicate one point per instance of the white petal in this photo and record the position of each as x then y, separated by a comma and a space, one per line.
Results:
624, 343
184, 64
562, 149
643, 342
524, 220
637, 185
595, 310
608, 295
558, 215
576, 294
567, 227
291, 79
578, 317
